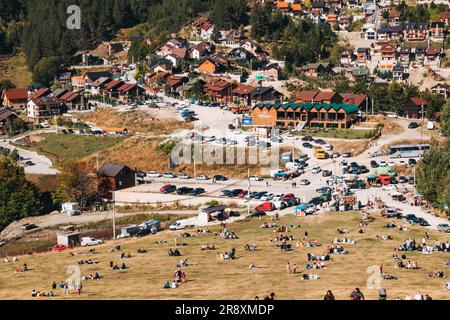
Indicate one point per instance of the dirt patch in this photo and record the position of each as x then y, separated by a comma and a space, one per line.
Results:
355, 147
134, 121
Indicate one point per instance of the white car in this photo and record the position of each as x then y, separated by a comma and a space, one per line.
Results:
169, 175
278, 196
316, 169
183, 176
153, 174
389, 187
255, 178
304, 182
178, 225
328, 147
267, 197
383, 164
88, 241
202, 177
291, 137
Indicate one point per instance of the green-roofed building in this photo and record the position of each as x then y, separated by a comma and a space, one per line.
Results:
323, 115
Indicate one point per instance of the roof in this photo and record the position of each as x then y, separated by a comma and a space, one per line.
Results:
433, 51
126, 87
351, 98
5, 113
45, 101
283, 5
40, 93
15, 94
243, 89
111, 169
174, 80
306, 95
418, 101
70, 96
261, 90
348, 108
296, 7
325, 96
93, 76
113, 84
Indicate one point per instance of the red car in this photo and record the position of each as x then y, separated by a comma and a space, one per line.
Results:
242, 194
168, 188
288, 197
59, 247
266, 206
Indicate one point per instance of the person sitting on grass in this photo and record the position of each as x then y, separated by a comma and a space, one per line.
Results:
166, 285
329, 296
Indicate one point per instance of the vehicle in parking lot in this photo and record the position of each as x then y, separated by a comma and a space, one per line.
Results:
242, 194
402, 179
421, 221
373, 164
363, 169
222, 141
267, 197
59, 247
346, 154
276, 139
266, 206
258, 195
256, 213
264, 144
383, 163
307, 138
169, 175
153, 174
307, 145
184, 190
179, 225
335, 155
168, 188
291, 202
28, 226
316, 169
411, 180
231, 142
444, 227
320, 142
412, 162
328, 147
220, 177
411, 218
183, 176
326, 173
29, 163
288, 196
88, 241
202, 177
234, 193
304, 182
413, 125
323, 190
255, 178
197, 191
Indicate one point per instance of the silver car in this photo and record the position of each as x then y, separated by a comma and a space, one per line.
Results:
444, 227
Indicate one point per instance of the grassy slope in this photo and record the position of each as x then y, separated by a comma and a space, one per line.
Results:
59, 147
210, 278
15, 70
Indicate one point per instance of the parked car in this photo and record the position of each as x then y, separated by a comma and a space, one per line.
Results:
184, 190
234, 193
29, 163
258, 195
402, 179
373, 164
202, 177
168, 188
383, 163
411, 218
323, 190
267, 197
220, 178
307, 138
197, 191
304, 182
183, 176
412, 162
316, 169
422, 222
256, 213
153, 174
320, 142
411, 180
328, 147
326, 173
266, 206
255, 178
28, 226
242, 194
288, 196
178, 225
346, 154
307, 145
413, 125
335, 155
88, 241
59, 247
169, 175
444, 227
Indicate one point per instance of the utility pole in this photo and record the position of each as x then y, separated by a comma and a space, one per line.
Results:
421, 131
114, 215
248, 191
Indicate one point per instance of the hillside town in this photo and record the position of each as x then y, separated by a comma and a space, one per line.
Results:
254, 136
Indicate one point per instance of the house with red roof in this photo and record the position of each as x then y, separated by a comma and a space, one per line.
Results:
5, 115
242, 94
130, 92
15, 98
414, 108
219, 90
40, 109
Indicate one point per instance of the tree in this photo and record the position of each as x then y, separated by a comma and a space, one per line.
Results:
19, 198
229, 14
445, 120
78, 182
46, 70
6, 84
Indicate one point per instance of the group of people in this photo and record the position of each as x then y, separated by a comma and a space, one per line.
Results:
208, 247
437, 274
116, 267
307, 244
319, 257
226, 234
179, 278
344, 240
13, 259
228, 255
336, 249
248, 247
315, 265
174, 253
90, 261
35, 293
96, 276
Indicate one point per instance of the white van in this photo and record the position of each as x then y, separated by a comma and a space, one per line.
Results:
71, 208
293, 165
178, 225
88, 241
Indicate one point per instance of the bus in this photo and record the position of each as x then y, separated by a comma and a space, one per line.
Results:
408, 150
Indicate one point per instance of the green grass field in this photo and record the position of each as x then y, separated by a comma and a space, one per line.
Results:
60, 147
211, 278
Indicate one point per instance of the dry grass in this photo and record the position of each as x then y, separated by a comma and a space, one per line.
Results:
210, 278
15, 70
134, 121
142, 153
355, 147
